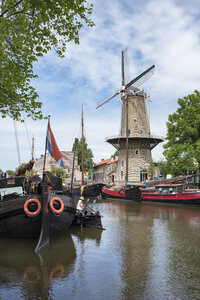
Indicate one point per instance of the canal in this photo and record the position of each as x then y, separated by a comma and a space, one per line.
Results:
146, 251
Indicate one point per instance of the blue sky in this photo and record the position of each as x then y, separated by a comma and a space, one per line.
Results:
164, 33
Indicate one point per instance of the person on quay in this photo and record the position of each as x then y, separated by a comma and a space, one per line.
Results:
80, 205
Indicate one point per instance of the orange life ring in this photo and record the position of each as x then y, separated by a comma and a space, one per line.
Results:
32, 213
56, 211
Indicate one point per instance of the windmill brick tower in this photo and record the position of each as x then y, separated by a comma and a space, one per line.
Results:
135, 141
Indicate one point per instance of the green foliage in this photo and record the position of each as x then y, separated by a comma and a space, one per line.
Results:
22, 164
115, 154
28, 30
164, 168
182, 150
60, 172
9, 172
88, 155
151, 169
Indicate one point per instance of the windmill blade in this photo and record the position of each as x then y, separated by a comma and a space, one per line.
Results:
125, 66
107, 100
123, 76
141, 78
144, 78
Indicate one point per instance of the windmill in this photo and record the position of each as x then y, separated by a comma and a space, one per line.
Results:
133, 110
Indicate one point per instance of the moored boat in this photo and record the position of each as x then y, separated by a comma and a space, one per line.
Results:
92, 219
86, 216
89, 190
126, 193
171, 194
161, 193
21, 207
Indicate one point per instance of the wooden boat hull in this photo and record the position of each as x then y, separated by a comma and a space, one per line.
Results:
90, 220
123, 193
186, 198
183, 198
92, 190
15, 223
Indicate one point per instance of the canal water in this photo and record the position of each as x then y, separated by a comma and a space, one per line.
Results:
146, 251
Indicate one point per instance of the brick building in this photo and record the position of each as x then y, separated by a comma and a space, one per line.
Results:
52, 164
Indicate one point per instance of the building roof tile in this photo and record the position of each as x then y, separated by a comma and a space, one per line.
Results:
103, 162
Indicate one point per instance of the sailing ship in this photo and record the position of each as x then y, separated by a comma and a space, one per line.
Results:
21, 208
31, 207
84, 189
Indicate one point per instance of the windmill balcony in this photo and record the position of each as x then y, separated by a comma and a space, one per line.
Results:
119, 142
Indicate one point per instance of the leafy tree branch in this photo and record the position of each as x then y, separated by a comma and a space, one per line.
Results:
28, 30
182, 150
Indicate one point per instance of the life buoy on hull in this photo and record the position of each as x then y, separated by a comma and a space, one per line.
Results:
134, 194
57, 199
32, 213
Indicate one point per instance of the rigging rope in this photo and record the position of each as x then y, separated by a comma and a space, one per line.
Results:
17, 142
27, 135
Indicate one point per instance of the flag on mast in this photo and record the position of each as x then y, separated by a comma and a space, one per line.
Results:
52, 147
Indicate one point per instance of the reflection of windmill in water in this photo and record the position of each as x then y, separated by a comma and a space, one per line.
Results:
135, 141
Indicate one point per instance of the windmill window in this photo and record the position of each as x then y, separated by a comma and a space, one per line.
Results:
134, 120
122, 163
121, 174
129, 131
136, 152
141, 131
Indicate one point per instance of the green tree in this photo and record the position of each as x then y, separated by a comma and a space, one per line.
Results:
115, 154
182, 150
60, 172
151, 169
164, 167
21, 165
28, 30
88, 155
9, 172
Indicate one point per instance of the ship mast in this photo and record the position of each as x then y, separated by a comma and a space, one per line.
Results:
32, 151
82, 147
126, 103
72, 178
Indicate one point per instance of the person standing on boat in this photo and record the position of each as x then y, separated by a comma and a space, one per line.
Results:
80, 205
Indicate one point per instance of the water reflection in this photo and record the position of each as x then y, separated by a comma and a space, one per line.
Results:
31, 274
147, 251
189, 214
134, 243
175, 255
159, 249
86, 233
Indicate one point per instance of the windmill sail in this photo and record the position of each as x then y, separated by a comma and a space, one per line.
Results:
137, 81
141, 78
108, 99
